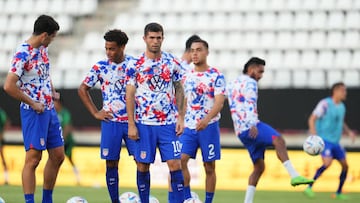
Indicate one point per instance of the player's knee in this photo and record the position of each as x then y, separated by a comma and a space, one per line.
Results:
209, 167
143, 167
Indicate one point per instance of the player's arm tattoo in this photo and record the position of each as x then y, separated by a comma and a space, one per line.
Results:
179, 95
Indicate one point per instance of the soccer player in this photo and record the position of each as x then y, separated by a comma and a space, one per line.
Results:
110, 73
64, 116
254, 134
204, 88
154, 82
186, 57
4, 122
328, 121
40, 125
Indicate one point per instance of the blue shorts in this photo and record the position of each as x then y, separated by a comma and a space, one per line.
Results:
256, 147
41, 130
112, 135
335, 151
208, 140
161, 136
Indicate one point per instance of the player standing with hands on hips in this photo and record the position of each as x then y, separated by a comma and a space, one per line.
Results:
204, 98
39, 122
328, 121
254, 134
154, 82
110, 73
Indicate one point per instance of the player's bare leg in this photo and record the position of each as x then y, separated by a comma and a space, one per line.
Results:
32, 160
259, 167
342, 177
56, 158
210, 183
281, 152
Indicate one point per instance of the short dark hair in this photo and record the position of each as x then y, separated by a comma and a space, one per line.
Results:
45, 23
189, 41
253, 61
117, 36
335, 86
153, 27
201, 41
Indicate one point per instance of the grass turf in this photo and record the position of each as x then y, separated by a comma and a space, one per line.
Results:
13, 194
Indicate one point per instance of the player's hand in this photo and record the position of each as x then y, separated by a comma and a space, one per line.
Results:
38, 107
179, 127
103, 115
56, 96
133, 132
253, 132
201, 125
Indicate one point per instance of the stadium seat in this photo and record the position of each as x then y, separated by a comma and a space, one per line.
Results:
93, 41
310, 5
342, 59
334, 40
327, 4
56, 7
251, 21
300, 40
292, 5
10, 41
308, 59
355, 62
16, 22
267, 81
318, 20
251, 40
65, 60
268, 20
326, 59
4, 23
291, 59
351, 78
87, 7
284, 40
333, 76
302, 20
335, 20
282, 79
275, 60
11, 7
300, 78
41, 6
24, 5
352, 19
317, 39
285, 21
316, 79
351, 39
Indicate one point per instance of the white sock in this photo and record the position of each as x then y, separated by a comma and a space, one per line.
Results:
250, 192
290, 169
77, 174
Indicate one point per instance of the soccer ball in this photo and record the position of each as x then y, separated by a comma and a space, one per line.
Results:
194, 195
192, 200
153, 199
2, 200
313, 145
129, 197
77, 199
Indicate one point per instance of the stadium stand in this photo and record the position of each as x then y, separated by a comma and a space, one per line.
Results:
307, 43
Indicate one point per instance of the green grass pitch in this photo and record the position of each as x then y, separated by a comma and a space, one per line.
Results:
13, 194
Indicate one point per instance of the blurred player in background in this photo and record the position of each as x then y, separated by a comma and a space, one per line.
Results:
328, 121
110, 73
30, 68
4, 123
254, 134
204, 88
186, 57
64, 116
153, 84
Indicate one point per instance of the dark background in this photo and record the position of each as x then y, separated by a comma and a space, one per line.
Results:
284, 109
